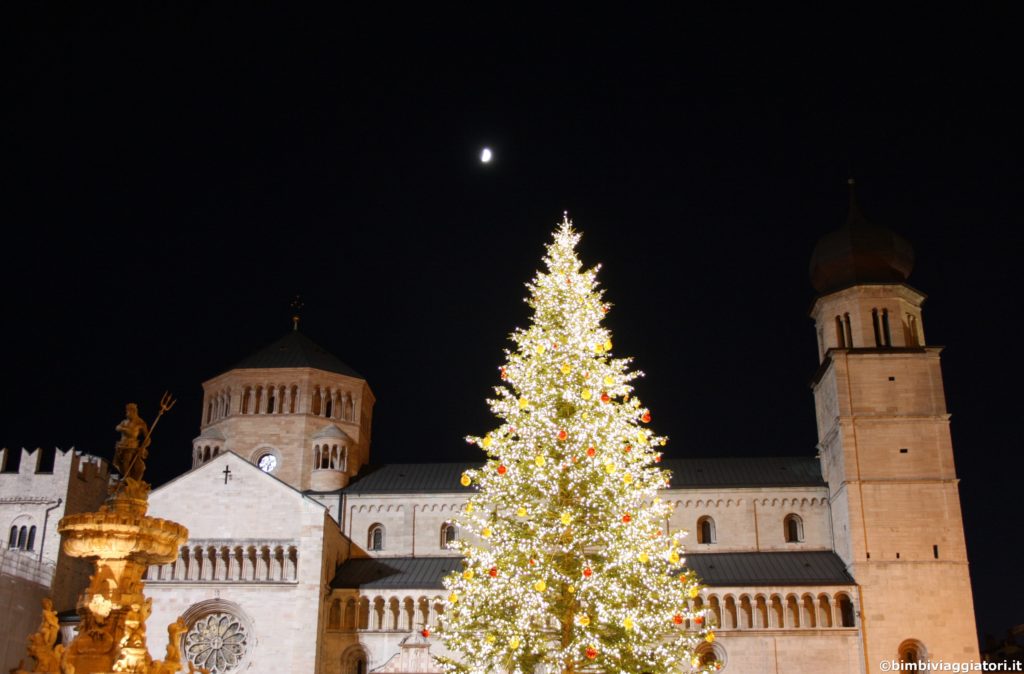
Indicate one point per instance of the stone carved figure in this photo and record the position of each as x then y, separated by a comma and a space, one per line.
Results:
172, 661
41, 644
130, 454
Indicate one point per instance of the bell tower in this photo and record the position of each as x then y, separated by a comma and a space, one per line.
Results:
885, 449
293, 409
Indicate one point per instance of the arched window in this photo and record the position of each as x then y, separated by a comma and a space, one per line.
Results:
840, 335
449, 533
294, 397
334, 619
31, 538
706, 530
849, 331
846, 618
316, 402
22, 537
206, 453
912, 650
913, 339
877, 327
375, 539
209, 412
794, 528
246, 396
271, 399
12, 542
886, 333
329, 406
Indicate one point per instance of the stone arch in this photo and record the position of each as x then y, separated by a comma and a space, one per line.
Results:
363, 621
449, 534
377, 617
375, 537
731, 618
351, 617
777, 614
714, 610
706, 530
761, 612
334, 615
710, 654
792, 611
408, 614
912, 650
793, 528
844, 607
354, 660
808, 617
824, 611
394, 615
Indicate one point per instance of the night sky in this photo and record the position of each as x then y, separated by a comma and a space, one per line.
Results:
176, 172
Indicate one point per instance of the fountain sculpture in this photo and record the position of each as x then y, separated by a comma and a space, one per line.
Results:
122, 542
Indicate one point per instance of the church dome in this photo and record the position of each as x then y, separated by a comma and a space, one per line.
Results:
296, 350
859, 252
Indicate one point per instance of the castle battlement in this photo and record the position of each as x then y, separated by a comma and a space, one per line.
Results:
66, 462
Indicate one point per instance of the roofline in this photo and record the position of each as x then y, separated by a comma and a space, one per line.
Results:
247, 463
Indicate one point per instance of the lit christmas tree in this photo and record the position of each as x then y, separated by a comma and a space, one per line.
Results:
568, 561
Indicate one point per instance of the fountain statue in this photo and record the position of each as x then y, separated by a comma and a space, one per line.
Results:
122, 542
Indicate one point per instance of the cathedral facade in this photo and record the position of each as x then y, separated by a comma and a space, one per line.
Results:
304, 556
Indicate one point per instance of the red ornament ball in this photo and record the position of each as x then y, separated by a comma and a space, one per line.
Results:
699, 620
628, 449
677, 619
493, 572
605, 397
587, 572
562, 435
591, 652
626, 519
502, 469
657, 458
425, 632
504, 374
646, 418
591, 451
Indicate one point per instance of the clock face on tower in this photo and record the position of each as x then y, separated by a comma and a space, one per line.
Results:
267, 463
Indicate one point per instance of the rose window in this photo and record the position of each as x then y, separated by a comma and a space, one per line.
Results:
216, 642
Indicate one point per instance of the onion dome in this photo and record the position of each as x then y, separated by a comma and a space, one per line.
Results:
859, 252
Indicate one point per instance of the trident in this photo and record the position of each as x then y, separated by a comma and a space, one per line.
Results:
166, 403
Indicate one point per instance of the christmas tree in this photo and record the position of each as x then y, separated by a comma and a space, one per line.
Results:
569, 564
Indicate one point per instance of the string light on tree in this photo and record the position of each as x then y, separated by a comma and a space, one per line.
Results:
587, 581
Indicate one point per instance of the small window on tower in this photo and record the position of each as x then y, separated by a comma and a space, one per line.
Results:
449, 533
794, 528
706, 530
376, 537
